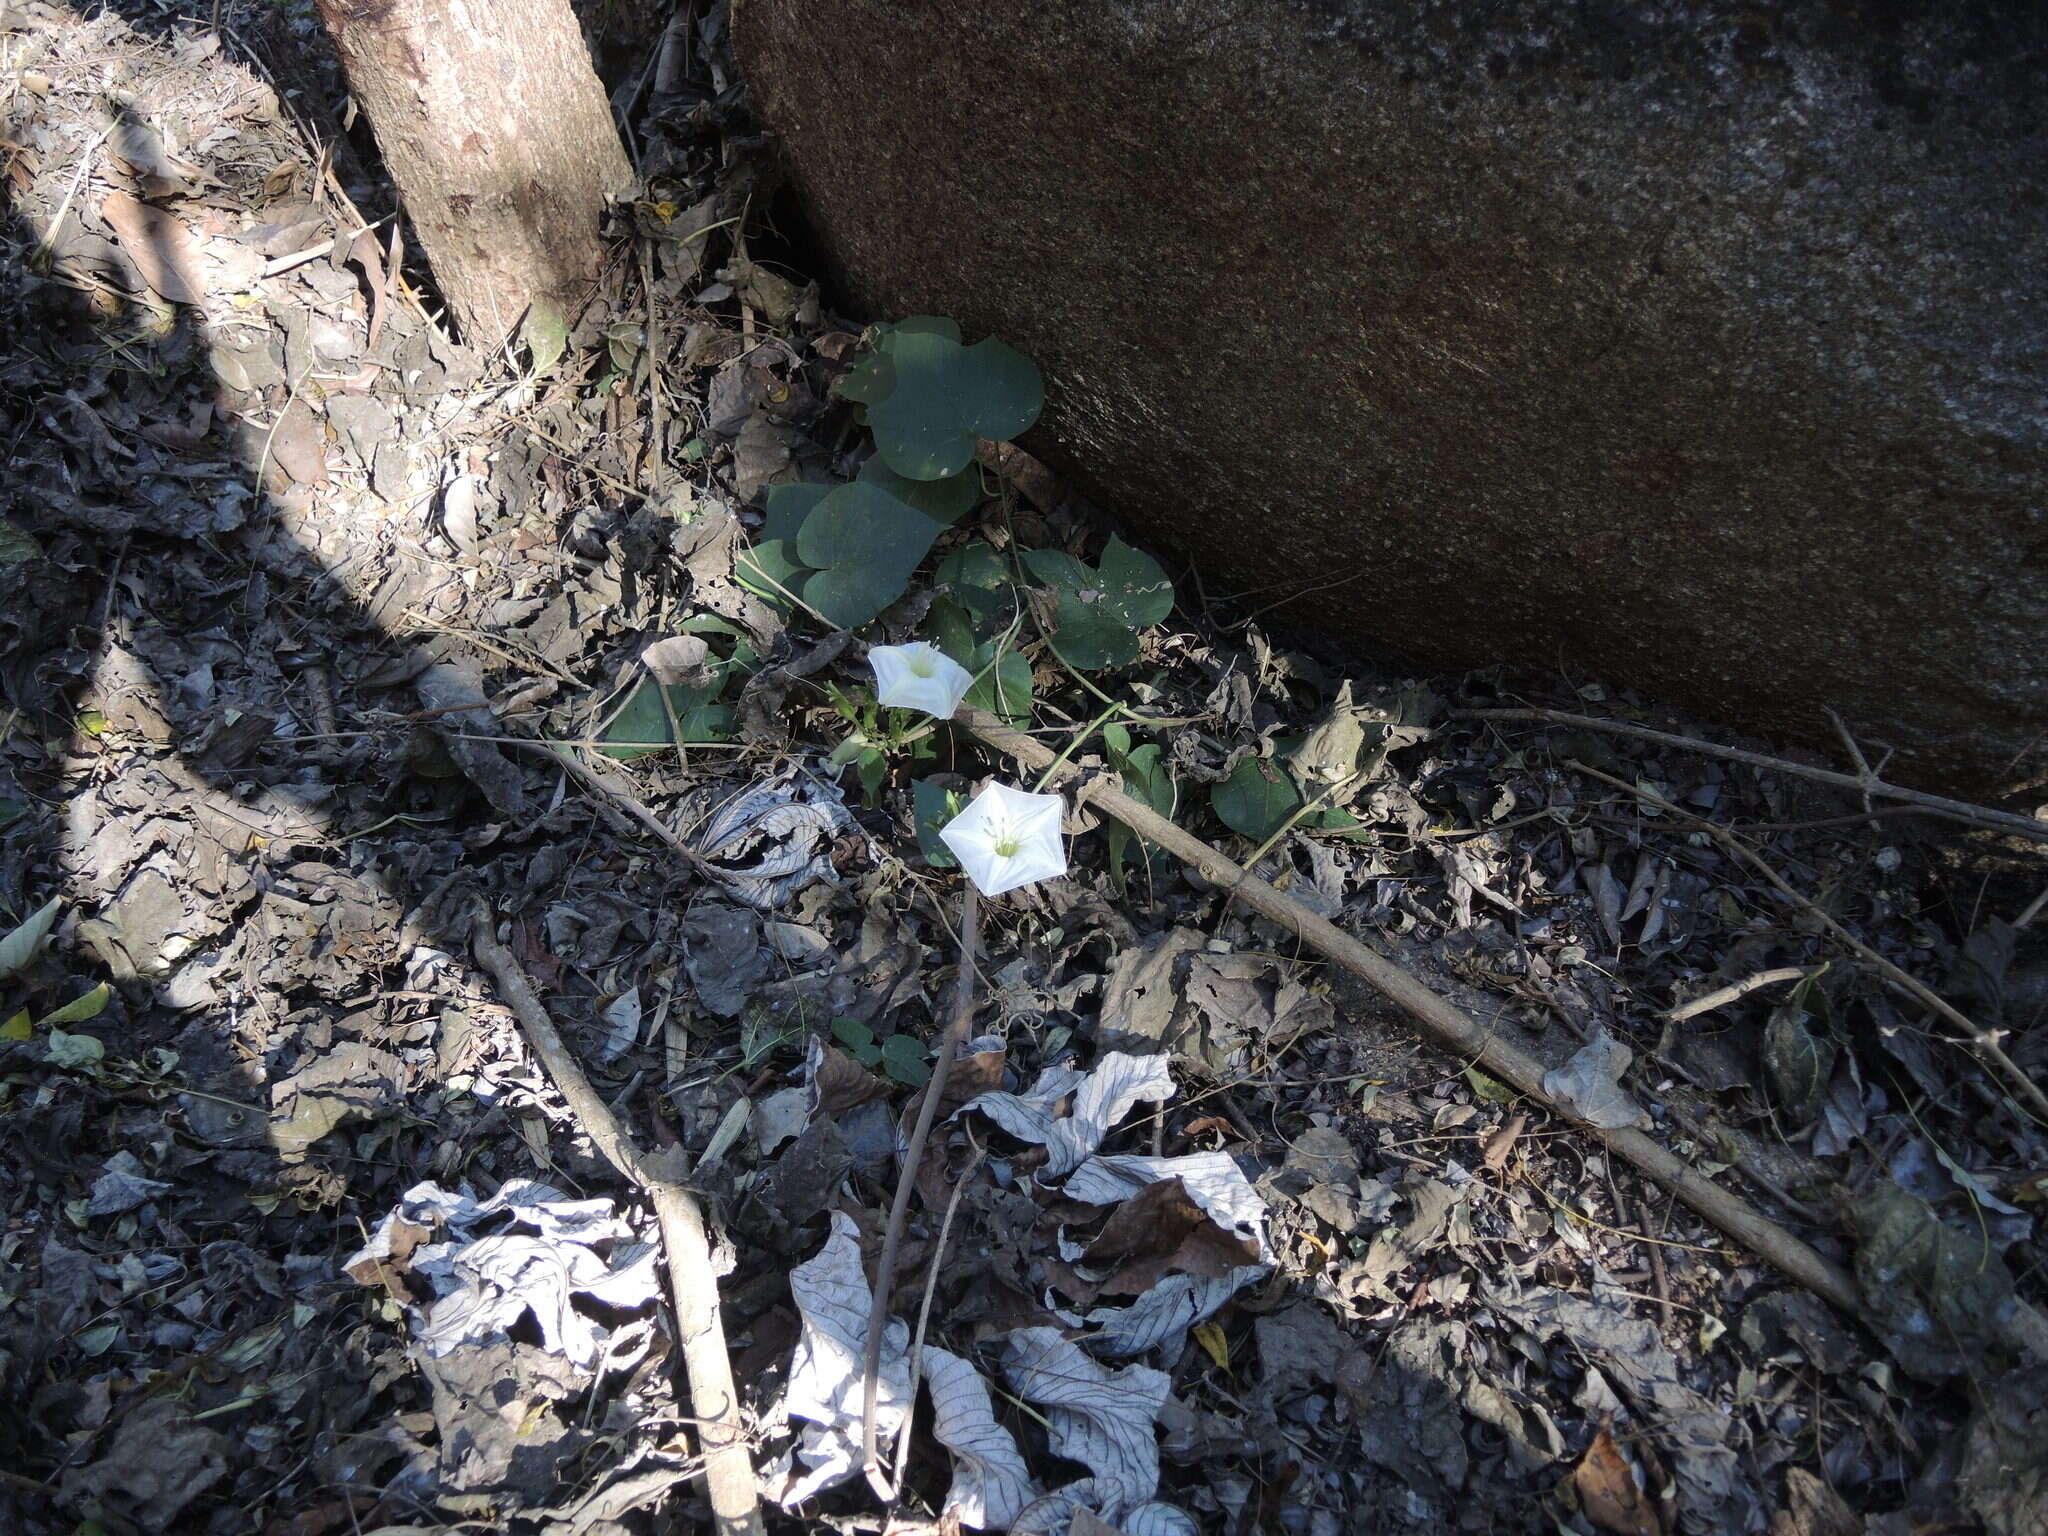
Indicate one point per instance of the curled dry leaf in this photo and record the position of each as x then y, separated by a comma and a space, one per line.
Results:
1498, 1144
1608, 1493
680, 661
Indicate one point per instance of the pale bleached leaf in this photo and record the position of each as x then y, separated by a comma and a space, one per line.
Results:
1213, 1181
1101, 1418
991, 1484
1165, 1313
825, 1376
19, 947
1588, 1086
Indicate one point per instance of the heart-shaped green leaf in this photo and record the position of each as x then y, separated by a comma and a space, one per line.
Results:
1145, 778
979, 578
770, 571
1256, 800
1002, 683
873, 375
784, 507
905, 1058
1101, 611
941, 396
642, 725
862, 545
943, 501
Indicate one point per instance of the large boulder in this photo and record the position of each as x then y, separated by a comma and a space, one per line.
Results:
1703, 345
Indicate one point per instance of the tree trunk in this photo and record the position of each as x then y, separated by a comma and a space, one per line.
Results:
499, 137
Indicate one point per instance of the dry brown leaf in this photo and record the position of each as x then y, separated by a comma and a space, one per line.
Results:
1159, 1230
1498, 1144
1608, 1492
158, 245
1812, 1508
844, 1084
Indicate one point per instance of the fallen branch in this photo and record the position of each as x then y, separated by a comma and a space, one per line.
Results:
693, 1284
1974, 1034
1866, 783
899, 1209
1440, 1022
1721, 997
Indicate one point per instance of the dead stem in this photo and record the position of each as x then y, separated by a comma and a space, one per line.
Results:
899, 1209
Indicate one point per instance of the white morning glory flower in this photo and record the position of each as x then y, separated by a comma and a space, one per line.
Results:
1007, 838
919, 676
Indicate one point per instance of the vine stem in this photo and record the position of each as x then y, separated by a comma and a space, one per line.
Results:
906, 1182
1069, 749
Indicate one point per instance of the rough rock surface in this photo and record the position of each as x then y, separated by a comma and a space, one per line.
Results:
1701, 344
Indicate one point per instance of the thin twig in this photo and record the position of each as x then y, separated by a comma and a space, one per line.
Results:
693, 1283
1721, 997
1980, 1039
1866, 784
598, 784
931, 1288
899, 1209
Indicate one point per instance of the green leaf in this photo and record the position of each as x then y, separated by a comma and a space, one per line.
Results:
903, 1058
18, 1027
784, 508
18, 948
1005, 688
642, 724
979, 566
77, 1011
1145, 778
927, 325
951, 628
941, 396
943, 501
73, 1050
1101, 611
1256, 800
1488, 1089
869, 379
771, 572
858, 1039
873, 769
873, 375
862, 544
1001, 686
934, 805
545, 334
979, 578
11, 810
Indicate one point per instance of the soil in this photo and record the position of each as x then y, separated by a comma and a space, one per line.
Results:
303, 606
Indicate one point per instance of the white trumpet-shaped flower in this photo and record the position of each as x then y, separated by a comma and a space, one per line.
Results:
1007, 838
919, 676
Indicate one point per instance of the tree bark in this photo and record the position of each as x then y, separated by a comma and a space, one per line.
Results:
495, 128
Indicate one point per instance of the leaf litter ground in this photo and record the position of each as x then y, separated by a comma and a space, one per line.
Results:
298, 1236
